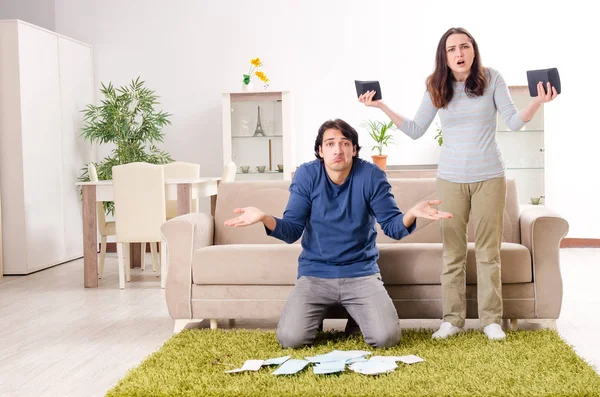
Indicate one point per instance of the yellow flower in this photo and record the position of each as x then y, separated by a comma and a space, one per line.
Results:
255, 63
261, 76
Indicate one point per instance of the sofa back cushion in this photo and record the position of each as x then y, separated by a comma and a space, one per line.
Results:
269, 196
410, 191
272, 196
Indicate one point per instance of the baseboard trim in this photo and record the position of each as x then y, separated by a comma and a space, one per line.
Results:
112, 247
580, 243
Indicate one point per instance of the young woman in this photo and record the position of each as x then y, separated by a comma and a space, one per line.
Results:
470, 176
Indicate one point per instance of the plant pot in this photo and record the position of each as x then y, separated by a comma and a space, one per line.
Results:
380, 161
247, 87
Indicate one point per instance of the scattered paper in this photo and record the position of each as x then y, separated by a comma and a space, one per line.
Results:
356, 360
249, 365
374, 367
411, 359
338, 355
382, 358
290, 367
329, 367
276, 361
334, 361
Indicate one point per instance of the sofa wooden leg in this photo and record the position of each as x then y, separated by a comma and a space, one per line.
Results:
180, 324
213, 323
514, 324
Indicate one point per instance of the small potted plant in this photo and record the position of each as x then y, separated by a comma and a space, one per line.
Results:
380, 133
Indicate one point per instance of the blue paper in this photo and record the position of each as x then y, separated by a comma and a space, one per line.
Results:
330, 367
276, 361
290, 367
338, 355
356, 360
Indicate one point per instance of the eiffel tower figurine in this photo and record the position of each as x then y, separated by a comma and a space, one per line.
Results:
259, 129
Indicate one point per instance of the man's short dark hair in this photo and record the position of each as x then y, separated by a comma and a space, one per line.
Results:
340, 125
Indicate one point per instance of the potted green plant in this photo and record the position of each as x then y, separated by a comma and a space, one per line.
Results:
380, 133
127, 119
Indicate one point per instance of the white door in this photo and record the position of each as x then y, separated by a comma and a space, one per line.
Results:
76, 92
42, 147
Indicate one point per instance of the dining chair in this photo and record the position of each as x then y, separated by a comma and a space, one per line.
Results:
229, 171
180, 169
139, 193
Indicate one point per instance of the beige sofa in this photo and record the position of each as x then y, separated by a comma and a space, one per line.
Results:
218, 272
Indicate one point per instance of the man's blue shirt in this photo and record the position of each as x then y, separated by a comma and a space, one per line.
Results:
339, 221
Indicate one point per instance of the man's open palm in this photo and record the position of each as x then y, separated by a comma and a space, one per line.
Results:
250, 216
426, 209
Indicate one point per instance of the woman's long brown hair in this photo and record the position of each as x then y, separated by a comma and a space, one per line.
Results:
439, 83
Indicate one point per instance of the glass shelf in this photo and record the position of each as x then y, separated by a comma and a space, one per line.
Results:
250, 136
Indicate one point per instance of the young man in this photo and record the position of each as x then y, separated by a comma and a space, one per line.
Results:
334, 204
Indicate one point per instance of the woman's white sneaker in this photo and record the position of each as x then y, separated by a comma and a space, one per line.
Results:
446, 330
494, 332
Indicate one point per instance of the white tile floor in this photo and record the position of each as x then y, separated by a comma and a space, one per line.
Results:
59, 339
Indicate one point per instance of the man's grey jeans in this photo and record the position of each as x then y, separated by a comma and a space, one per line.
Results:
365, 299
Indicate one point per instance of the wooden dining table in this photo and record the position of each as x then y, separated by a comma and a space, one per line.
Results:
183, 190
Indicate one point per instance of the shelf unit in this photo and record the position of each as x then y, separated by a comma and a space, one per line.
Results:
258, 132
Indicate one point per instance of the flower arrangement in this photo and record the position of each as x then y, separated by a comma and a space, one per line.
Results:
253, 71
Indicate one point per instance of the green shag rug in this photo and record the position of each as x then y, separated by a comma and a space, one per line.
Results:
527, 363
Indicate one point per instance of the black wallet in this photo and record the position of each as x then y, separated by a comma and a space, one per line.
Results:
364, 86
545, 76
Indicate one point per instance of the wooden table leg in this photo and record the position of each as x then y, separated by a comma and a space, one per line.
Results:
90, 238
135, 255
184, 198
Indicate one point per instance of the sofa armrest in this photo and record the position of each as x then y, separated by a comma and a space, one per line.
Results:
184, 235
541, 232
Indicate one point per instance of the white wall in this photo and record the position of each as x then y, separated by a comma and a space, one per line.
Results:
37, 12
191, 51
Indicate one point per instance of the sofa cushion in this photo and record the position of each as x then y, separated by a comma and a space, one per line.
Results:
400, 264
246, 264
421, 263
272, 196
409, 192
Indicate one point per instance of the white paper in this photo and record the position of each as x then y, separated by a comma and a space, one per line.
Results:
382, 358
249, 365
374, 367
411, 359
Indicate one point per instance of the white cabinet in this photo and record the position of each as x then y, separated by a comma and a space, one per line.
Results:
523, 150
46, 80
258, 134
